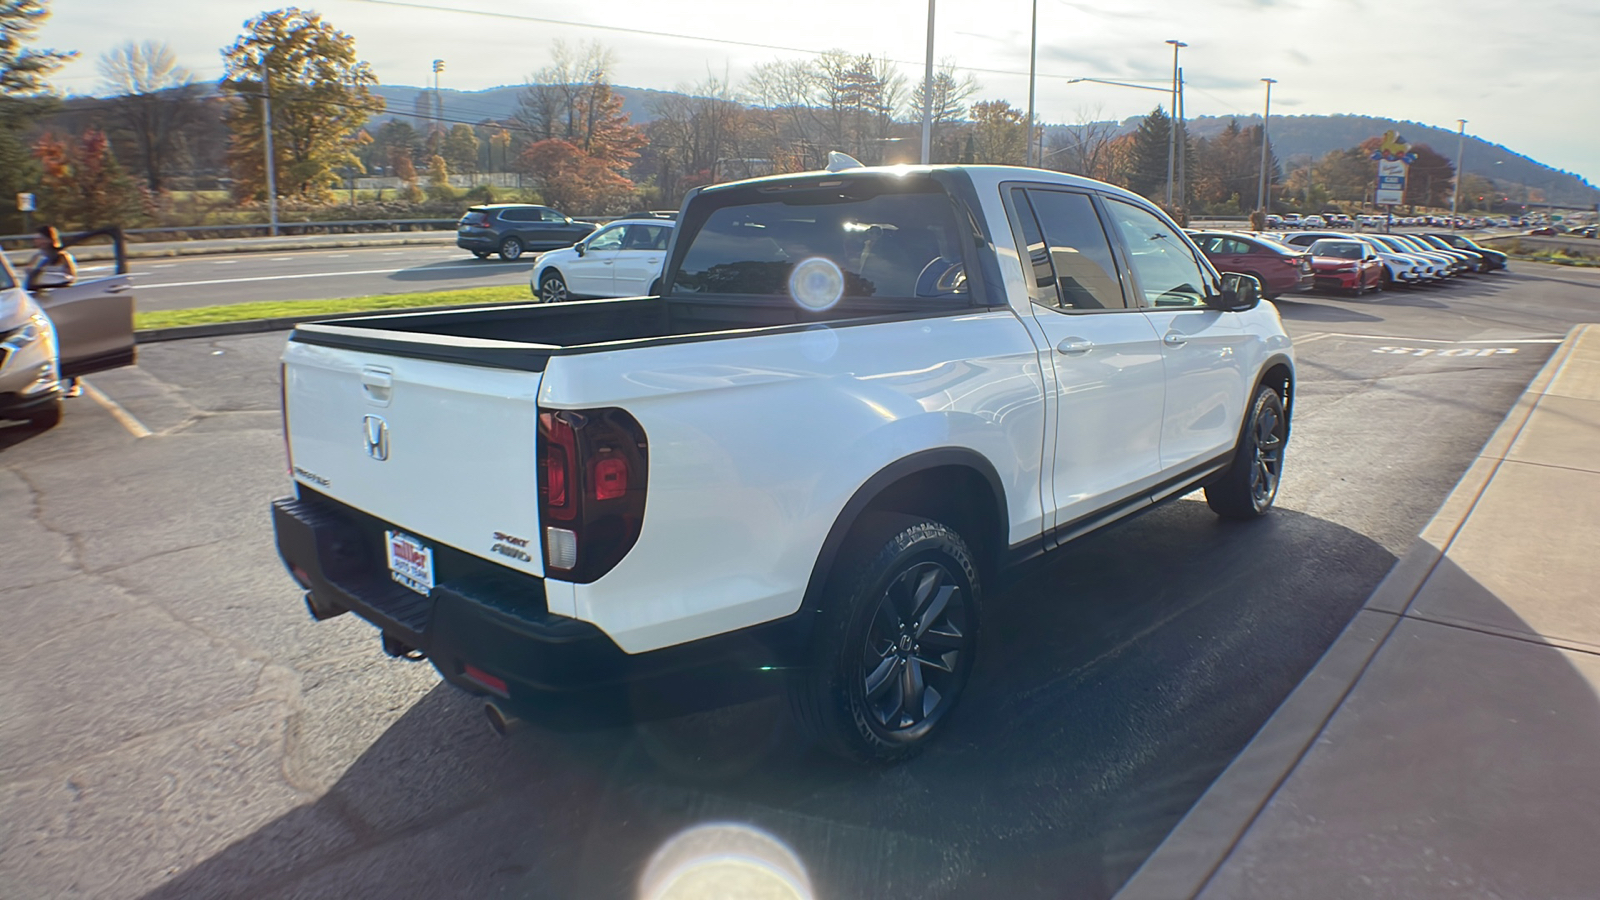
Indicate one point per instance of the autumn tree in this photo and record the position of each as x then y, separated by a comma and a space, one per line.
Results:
24, 96
571, 107
999, 133
84, 185
153, 99
1227, 169
461, 149
320, 95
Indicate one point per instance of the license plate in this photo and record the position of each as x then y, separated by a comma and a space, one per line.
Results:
410, 562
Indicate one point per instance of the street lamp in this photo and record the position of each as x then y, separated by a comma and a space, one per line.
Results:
1033, 66
927, 94
1266, 113
1455, 195
1172, 129
438, 101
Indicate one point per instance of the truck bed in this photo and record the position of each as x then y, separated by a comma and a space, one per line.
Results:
525, 336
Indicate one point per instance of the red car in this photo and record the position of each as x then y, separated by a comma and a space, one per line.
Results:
1346, 266
1280, 269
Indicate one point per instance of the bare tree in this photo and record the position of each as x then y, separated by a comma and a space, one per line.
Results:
1081, 148
950, 96
154, 99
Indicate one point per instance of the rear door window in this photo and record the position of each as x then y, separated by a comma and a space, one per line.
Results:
519, 215
1068, 251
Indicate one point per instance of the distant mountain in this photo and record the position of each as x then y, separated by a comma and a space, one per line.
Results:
1313, 136
473, 107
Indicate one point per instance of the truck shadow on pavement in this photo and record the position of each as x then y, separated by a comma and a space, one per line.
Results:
1113, 684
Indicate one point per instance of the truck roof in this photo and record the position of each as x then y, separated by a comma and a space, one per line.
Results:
983, 177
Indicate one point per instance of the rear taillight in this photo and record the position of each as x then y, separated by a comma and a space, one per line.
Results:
593, 466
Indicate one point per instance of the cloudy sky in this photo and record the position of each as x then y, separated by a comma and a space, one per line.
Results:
1521, 73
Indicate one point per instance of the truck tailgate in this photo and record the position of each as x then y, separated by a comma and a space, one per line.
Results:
444, 452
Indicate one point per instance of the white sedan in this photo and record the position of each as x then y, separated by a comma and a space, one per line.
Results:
621, 259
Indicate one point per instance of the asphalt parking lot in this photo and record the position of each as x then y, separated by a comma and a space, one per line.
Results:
173, 724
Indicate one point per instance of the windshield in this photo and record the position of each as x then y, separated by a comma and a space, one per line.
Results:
820, 246
1340, 249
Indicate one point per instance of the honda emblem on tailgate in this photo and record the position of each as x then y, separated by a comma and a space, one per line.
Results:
377, 437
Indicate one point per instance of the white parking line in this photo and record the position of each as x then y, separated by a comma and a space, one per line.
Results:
1496, 341
338, 255
1308, 338
223, 262
123, 417
163, 265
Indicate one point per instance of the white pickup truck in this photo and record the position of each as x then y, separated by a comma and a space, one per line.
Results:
863, 397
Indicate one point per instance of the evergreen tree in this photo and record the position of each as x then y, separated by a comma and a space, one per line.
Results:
1147, 173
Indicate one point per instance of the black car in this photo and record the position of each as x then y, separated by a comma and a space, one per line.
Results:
509, 229
1492, 259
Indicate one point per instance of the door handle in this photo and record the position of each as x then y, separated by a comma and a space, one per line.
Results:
1174, 339
1074, 345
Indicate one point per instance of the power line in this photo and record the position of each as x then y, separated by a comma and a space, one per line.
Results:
622, 29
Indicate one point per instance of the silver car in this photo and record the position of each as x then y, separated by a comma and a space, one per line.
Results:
56, 334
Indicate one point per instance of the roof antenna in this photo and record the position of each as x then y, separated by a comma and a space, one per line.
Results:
838, 162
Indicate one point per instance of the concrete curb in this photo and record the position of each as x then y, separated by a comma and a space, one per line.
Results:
1200, 843
284, 323
167, 250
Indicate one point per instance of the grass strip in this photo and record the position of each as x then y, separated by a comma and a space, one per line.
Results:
277, 309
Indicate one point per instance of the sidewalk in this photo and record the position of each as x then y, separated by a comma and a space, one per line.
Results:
1448, 743
146, 250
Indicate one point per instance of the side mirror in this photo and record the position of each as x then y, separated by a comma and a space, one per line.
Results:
579, 247
1371, 257
1239, 293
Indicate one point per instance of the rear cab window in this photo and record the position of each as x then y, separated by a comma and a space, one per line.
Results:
1070, 260
873, 242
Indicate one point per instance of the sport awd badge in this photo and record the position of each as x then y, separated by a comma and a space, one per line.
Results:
512, 546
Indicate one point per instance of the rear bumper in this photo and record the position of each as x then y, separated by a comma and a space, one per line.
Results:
478, 243
495, 621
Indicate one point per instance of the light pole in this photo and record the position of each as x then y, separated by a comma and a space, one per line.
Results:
1266, 113
1455, 195
266, 135
438, 101
1033, 67
1172, 126
927, 94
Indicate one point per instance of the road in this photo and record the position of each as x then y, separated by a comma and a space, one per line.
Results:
185, 282
174, 724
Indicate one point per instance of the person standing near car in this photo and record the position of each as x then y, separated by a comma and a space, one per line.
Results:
51, 265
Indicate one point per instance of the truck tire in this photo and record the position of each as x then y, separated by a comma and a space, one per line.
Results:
1250, 485
895, 642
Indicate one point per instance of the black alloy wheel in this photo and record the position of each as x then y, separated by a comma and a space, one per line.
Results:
895, 643
913, 648
1249, 486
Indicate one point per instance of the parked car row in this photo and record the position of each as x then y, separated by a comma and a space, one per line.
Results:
1291, 263
1416, 258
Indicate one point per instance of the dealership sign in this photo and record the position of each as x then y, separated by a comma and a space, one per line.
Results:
1394, 157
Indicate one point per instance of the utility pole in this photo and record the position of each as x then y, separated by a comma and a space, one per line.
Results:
1455, 195
1262, 200
927, 94
1033, 68
266, 135
1183, 152
1172, 129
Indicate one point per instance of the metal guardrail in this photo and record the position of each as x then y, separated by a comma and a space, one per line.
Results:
285, 229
